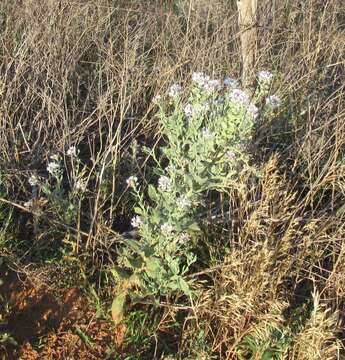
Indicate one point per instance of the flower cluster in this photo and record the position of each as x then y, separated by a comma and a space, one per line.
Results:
183, 238
253, 111
212, 86
132, 181
164, 183
136, 221
157, 99
273, 101
53, 167
189, 111
167, 229
183, 203
72, 151
33, 180
240, 98
175, 90
231, 83
196, 110
80, 185
230, 154
207, 134
205, 82
200, 78
265, 76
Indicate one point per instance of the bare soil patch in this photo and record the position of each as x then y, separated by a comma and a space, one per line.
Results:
49, 327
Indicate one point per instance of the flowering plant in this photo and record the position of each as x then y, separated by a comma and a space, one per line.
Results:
205, 149
64, 203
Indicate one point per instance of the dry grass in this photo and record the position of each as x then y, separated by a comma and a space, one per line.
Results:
84, 73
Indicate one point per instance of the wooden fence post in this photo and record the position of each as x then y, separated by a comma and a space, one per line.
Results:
247, 20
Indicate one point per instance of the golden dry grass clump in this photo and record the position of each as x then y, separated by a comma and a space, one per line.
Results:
274, 277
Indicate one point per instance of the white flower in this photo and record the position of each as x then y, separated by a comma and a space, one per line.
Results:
219, 101
72, 151
204, 80
132, 181
207, 134
33, 181
183, 238
273, 101
28, 204
200, 78
183, 202
53, 168
230, 155
174, 90
231, 83
80, 185
157, 99
164, 183
205, 106
253, 111
171, 168
136, 222
239, 97
167, 229
265, 76
55, 157
189, 111
212, 86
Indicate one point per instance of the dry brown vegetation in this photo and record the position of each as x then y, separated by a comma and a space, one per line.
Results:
271, 284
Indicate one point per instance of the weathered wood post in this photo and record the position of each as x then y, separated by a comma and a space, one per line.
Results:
247, 20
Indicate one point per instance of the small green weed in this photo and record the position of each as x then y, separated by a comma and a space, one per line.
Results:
141, 335
270, 344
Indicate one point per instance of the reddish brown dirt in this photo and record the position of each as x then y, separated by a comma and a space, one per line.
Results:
54, 327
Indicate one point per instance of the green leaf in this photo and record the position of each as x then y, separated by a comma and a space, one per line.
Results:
174, 266
155, 217
153, 267
84, 337
139, 211
183, 285
46, 189
194, 227
135, 245
117, 307
119, 274
269, 355
189, 181
135, 264
152, 193
148, 250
